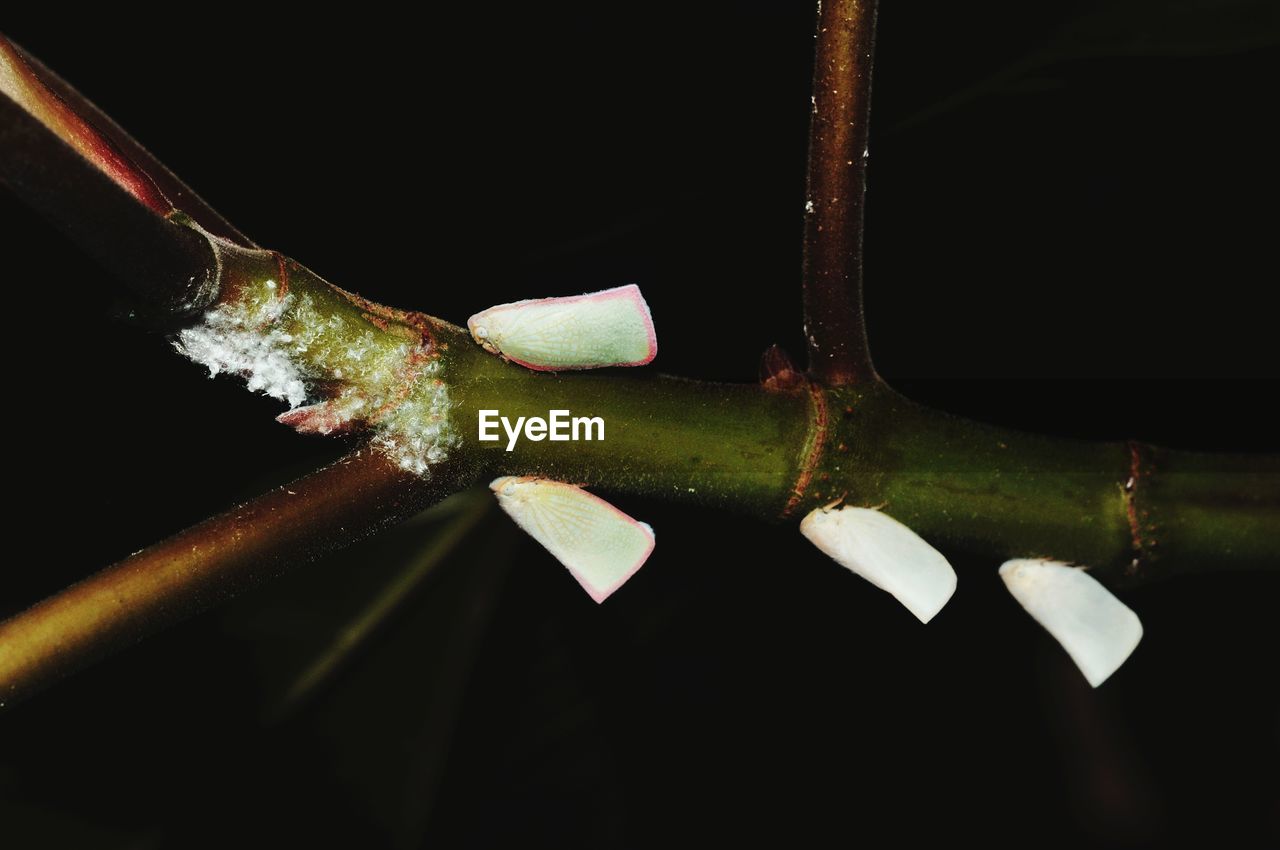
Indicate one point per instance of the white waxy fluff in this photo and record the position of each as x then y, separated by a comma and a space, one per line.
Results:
886, 553
1097, 630
288, 348
608, 328
600, 545
239, 340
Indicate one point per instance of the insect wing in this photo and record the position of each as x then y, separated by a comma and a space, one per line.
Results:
886, 553
1096, 629
600, 545
608, 328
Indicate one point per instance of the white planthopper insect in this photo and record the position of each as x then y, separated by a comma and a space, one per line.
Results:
608, 328
600, 545
1097, 630
886, 553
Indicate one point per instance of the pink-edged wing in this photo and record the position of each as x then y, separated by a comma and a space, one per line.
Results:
600, 545
608, 328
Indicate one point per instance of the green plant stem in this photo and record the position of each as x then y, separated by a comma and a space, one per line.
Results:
1130, 512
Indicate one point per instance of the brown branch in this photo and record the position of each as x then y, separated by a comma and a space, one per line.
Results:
74, 119
79, 169
834, 326
196, 568
171, 266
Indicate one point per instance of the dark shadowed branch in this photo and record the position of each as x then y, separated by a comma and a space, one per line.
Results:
203, 565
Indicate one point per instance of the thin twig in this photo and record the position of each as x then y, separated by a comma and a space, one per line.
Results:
383, 607
834, 326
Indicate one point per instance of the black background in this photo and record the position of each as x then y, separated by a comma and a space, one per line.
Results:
1083, 244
